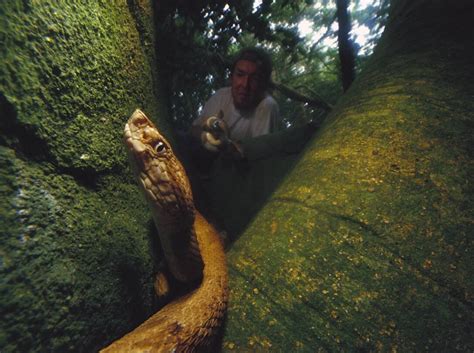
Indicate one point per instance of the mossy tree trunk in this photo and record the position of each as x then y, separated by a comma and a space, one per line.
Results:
76, 267
367, 244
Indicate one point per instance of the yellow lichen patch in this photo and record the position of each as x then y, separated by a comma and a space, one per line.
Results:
296, 273
263, 342
229, 345
427, 264
345, 236
365, 297
388, 329
304, 191
299, 344
318, 196
404, 230
425, 144
274, 227
272, 322
246, 263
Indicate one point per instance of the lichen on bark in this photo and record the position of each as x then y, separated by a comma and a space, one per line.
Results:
367, 244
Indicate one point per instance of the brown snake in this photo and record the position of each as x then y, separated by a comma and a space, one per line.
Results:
192, 249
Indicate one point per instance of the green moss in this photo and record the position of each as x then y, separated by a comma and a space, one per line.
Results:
74, 73
73, 261
77, 254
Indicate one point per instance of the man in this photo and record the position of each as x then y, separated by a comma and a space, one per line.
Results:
241, 111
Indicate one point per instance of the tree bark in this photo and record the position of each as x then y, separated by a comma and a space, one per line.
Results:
367, 244
75, 239
346, 50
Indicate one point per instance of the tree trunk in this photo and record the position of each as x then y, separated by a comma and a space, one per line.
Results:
367, 245
75, 257
346, 50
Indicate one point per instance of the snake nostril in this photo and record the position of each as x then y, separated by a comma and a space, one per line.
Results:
148, 133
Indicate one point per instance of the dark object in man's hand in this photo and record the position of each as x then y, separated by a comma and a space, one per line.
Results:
215, 134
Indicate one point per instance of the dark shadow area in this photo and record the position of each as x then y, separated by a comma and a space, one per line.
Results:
132, 289
86, 177
134, 9
218, 343
231, 193
176, 288
21, 138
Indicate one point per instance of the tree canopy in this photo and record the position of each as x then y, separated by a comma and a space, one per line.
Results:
196, 43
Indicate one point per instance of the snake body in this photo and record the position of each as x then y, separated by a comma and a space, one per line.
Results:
192, 249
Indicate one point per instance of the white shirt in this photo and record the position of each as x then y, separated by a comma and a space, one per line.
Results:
242, 124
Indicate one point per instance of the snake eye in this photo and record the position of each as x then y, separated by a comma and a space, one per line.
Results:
160, 147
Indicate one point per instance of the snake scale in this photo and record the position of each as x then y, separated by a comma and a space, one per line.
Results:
191, 246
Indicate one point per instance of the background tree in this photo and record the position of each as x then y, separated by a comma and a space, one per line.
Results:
346, 52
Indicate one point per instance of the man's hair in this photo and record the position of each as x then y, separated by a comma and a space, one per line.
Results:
258, 56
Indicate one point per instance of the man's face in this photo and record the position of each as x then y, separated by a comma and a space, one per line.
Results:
247, 85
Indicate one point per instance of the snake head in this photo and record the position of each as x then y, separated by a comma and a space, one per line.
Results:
161, 175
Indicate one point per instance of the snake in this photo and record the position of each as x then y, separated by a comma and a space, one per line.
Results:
192, 248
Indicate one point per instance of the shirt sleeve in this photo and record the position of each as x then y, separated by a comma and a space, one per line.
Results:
267, 119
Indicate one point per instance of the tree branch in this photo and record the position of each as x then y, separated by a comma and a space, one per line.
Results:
292, 94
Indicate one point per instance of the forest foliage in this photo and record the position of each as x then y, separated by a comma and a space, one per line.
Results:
300, 35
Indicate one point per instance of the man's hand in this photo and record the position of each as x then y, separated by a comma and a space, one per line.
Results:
214, 135
216, 126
